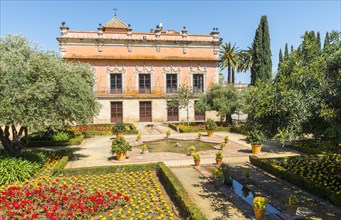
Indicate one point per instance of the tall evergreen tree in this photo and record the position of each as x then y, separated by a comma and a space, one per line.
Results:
326, 40
318, 40
286, 52
261, 54
292, 48
280, 59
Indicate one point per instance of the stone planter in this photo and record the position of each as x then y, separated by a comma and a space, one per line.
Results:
121, 155
219, 162
291, 209
256, 149
119, 135
259, 213
210, 132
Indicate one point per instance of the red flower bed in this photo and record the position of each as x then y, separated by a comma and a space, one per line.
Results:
54, 201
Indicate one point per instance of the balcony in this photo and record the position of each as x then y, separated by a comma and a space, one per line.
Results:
133, 91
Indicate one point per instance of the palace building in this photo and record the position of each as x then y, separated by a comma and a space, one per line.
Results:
137, 72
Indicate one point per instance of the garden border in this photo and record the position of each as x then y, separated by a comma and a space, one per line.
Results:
77, 140
295, 179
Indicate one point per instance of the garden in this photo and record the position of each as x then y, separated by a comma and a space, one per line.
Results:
40, 188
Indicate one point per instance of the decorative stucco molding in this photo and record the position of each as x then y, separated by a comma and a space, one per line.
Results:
100, 47
158, 48
198, 69
116, 69
171, 69
185, 49
144, 69
129, 47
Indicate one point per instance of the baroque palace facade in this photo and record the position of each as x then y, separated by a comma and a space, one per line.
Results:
137, 72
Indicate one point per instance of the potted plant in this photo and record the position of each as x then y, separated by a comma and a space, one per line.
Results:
256, 138
259, 206
168, 133
118, 129
210, 126
120, 146
222, 145
199, 135
191, 149
227, 178
196, 158
226, 139
138, 137
292, 204
219, 158
144, 148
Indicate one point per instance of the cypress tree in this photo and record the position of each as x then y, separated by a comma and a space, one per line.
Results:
286, 52
292, 48
326, 40
261, 55
318, 40
280, 56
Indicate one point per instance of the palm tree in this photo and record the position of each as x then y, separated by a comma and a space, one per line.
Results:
245, 60
228, 58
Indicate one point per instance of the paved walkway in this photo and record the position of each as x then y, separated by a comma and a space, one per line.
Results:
208, 199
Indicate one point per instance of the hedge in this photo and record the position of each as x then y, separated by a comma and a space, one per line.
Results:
102, 129
193, 127
73, 141
296, 179
175, 188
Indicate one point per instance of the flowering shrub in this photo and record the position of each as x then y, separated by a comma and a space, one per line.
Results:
122, 195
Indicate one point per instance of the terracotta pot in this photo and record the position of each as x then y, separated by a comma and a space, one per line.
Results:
256, 149
219, 162
197, 163
121, 155
119, 135
259, 213
291, 209
210, 132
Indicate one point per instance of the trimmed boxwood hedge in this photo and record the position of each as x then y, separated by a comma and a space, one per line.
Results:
73, 141
194, 127
296, 179
172, 185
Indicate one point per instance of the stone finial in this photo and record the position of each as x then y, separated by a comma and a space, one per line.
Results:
100, 30
184, 33
63, 29
129, 29
215, 34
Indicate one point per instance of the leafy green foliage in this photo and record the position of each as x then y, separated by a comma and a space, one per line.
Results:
293, 200
219, 155
255, 137
210, 124
119, 127
120, 145
223, 99
260, 202
261, 54
196, 156
305, 97
39, 89
228, 58
181, 99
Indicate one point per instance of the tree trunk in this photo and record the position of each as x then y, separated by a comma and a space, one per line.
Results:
228, 119
233, 76
18, 141
229, 73
187, 116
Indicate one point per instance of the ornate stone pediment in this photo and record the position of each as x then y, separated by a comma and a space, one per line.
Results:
171, 69
198, 69
116, 69
144, 69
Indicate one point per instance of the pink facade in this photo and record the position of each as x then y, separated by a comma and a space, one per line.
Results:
133, 68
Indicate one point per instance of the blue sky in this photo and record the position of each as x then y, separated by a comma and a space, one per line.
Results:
237, 20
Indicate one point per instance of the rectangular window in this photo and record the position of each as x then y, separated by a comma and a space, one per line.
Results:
198, 83
171, 83
116, 112
199, 116
145, 111
115, 83
144, 84
172, 113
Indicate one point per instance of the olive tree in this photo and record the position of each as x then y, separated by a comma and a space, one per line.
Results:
39, 90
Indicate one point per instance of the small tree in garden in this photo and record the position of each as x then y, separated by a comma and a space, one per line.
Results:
39, 90
223, 99
181, 99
